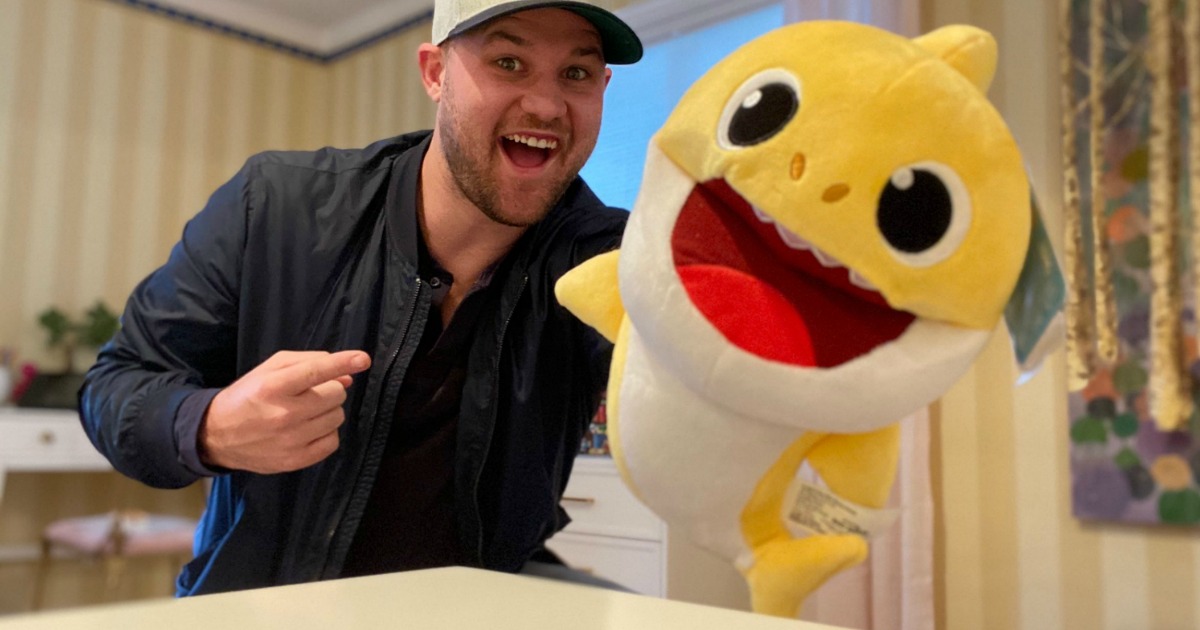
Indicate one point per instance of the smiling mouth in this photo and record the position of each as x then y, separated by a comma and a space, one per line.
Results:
771, 292
526, 151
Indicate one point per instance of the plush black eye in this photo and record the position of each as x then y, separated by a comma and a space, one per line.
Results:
759, 109
762, 114
923, 213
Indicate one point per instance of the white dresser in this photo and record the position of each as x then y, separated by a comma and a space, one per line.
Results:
611, 534
44, 440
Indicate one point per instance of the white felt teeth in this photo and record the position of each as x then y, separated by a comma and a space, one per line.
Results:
861, 282
825, 259
795, 241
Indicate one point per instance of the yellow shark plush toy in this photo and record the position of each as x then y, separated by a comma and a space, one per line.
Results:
830, 224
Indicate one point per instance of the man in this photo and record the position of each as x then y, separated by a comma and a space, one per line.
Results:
362, 348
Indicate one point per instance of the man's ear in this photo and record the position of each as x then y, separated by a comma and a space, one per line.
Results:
607, 75
432, 62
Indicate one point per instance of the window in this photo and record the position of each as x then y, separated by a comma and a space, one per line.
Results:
641, 96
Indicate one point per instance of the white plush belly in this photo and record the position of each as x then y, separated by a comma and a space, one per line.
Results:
692, 461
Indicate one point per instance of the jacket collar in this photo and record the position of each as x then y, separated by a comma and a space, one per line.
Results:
401, 201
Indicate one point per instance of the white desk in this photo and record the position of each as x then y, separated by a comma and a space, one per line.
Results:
437, 599
44, 440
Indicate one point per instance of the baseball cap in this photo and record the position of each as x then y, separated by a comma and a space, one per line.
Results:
455, 17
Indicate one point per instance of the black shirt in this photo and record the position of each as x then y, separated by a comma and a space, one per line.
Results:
410, 521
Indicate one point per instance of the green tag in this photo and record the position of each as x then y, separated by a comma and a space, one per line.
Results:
1034, 311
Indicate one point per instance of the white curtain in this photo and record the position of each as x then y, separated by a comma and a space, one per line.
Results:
893, 589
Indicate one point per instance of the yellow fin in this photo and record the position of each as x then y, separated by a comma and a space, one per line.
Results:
971, 51
590, 292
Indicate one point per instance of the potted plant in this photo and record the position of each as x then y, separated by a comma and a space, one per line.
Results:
59, 389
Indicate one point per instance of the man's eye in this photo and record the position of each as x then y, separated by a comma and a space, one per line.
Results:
508, 63
577, 74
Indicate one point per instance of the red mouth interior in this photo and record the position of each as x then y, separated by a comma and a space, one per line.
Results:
768, 299
523, 155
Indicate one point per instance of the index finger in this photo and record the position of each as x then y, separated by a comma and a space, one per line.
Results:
284, 358
305, 375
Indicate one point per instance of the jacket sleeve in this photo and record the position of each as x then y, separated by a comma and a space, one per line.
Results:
146, 395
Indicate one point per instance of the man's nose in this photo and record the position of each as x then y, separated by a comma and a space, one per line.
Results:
545, 100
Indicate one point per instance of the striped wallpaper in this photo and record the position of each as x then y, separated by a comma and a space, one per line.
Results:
116, 124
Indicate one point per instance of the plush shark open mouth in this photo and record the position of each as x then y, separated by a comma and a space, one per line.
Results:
769, 291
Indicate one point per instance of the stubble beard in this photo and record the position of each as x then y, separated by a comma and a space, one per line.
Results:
471, 168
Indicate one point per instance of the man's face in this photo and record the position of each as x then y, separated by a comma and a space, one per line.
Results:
519, 110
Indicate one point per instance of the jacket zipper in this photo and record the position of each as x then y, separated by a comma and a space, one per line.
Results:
495, 410
412, 311
383, 389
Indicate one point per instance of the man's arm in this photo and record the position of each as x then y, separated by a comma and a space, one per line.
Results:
143, 401
162, 404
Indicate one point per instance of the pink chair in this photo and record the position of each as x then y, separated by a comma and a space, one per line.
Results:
112, 538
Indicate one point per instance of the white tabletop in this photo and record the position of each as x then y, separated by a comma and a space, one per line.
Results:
451, 599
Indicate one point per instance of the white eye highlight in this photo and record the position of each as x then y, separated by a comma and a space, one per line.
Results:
903, 178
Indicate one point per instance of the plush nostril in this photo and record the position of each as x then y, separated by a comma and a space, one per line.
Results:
835, 193
798, 163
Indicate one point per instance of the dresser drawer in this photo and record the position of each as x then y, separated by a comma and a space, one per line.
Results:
599, 503
634, 564
45, 441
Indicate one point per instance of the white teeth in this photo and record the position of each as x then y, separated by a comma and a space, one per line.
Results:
861, 282
825, 259
795, 241
791, 239
537, 143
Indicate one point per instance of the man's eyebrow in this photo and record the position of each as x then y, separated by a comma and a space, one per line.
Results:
506, 36
501, 34
589, 51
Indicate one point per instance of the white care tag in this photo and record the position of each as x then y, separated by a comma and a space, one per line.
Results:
816, 510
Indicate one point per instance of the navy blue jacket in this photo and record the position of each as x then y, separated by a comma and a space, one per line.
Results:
304, 251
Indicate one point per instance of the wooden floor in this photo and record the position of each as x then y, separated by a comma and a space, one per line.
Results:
33, 500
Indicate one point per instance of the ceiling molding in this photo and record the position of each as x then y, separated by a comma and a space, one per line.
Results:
292, 35
371, 22
327, 30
